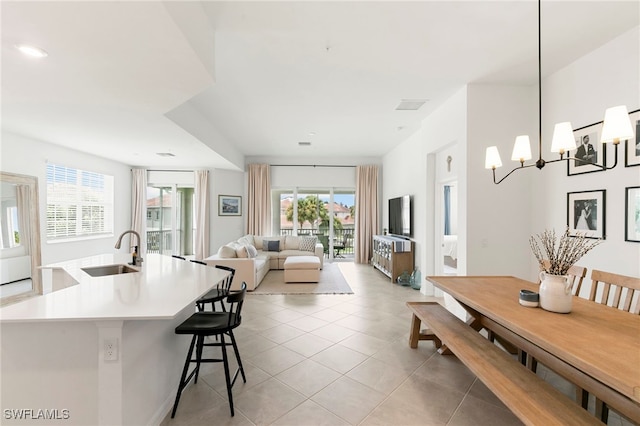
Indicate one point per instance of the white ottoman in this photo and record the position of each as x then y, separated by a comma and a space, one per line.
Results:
302, 269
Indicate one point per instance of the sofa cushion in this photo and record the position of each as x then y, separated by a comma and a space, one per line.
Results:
308, 243
291, 242
227, 252
271, 245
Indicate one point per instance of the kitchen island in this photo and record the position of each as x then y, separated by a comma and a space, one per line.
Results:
100, 349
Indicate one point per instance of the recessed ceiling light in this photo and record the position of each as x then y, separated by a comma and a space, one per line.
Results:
312, 133
165, 154
304, 143
410, 104
32, 51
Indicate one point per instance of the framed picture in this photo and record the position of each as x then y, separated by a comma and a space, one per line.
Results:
632, 147
589, 151
229, 205
586, 213
632, 214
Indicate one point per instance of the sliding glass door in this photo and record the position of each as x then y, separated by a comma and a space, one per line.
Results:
170, 220
326, 213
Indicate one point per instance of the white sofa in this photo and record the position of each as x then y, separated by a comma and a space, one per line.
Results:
252, 256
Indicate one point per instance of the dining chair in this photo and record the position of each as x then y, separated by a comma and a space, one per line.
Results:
624, 289
616, 291
175, 256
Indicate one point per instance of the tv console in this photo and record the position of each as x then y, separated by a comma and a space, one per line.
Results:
392, 255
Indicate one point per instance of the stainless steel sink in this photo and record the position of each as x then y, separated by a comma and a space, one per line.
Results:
102, 271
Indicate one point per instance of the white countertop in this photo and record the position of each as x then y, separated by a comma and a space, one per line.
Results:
162, 288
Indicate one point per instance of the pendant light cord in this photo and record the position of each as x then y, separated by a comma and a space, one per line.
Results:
540, 163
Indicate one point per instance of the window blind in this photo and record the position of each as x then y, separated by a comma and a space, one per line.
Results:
79, 203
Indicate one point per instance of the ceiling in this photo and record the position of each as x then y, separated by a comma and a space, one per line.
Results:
214, 82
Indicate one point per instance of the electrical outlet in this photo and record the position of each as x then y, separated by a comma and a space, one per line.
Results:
111, 349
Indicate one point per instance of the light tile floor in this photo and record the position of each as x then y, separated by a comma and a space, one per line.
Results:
343, 360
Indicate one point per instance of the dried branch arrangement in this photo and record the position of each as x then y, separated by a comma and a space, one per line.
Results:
557, 260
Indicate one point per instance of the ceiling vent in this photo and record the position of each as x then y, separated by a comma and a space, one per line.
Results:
304, 143
410, 104
165, 154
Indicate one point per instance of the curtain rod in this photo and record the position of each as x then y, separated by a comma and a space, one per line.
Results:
159, 170
308, 165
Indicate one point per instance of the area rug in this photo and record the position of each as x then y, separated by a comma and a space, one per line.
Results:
331, 282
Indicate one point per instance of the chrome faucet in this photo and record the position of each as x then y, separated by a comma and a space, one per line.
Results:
137, 259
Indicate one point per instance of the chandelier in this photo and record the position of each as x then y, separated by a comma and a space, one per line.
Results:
616, 127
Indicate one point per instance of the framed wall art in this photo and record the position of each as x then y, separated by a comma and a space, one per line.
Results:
632, 214
229, 205
586, 213
632, 146
589, 151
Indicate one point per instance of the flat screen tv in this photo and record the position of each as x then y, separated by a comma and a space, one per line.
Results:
400, 216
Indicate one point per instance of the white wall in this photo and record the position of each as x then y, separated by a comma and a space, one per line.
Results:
410, 168
580, 93
226, 228
29, 157
499, 216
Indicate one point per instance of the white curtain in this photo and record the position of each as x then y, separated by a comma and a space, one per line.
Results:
139, 206
202, 213
367, 211
23, 202
259, 203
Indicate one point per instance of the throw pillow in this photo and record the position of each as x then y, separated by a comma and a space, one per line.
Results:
241, 251
246, 240
308, 243
251, 251
271, 245
227, 252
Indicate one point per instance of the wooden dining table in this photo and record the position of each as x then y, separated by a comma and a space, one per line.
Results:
595, 346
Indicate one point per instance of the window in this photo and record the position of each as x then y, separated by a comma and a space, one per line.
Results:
79, 203
327, 213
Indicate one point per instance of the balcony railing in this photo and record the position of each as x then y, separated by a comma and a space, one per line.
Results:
342, 237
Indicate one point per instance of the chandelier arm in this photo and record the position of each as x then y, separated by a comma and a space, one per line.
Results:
580, 160
508, 174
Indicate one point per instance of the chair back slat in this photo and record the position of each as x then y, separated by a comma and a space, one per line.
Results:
199, 262
226, 283
235, 301
576, 276
625, 289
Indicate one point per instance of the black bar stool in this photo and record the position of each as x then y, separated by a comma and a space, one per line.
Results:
219, 293
178, 257
203, 324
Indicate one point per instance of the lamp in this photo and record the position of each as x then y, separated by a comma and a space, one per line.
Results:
492, 159
521, 149
616, 127
563, 139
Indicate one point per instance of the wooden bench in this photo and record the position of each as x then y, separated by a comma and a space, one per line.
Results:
530, 398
